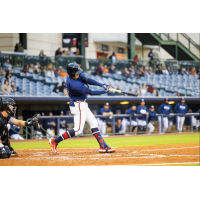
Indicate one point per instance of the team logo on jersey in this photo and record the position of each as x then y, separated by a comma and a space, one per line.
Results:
182, 107
166, 107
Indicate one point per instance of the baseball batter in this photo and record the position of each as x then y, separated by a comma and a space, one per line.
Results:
164, 108
77, 87
182, 108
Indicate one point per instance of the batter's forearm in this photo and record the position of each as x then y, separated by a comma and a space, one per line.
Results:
88, 91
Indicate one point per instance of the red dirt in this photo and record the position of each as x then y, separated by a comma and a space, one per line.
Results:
139, 155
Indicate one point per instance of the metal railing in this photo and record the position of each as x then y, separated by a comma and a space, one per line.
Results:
116, 116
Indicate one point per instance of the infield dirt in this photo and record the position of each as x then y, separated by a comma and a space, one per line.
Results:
136, 155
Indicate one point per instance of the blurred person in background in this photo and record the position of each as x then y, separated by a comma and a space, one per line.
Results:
20, 48
125, 72
63, 89
187, 71
105, 70
193, 71
43, 72
50, 73
14, 134
135, 60
146, 73
62, 73
58, 52
133, 69
63, 124
37, 68
31, 69
152, 89
143, 89
140, 72
25, 69
6, 87
165, 71
7, 65
2, 72
69, 52
64, 53
152, 114
99, 70
57, 73
15, 89
150, 55
159, 71
102, 56
181, 108
164, 108
126, 122
141, 121
50, 125
57, 88
198, 72
77, 52
131, 74
118, 126
179, 72
9, 75
151, 71
113, 58
112, 69
41, 54
16, 47
105, 111
169, 71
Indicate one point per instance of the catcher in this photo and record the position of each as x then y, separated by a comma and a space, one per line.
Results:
7, 112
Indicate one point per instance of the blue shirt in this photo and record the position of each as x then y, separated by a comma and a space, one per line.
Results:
63, 122
130, 111
11, 132
164, 109
179, 108
150, 54
78, 90
139, 108
47, 124
102, 110
151, 115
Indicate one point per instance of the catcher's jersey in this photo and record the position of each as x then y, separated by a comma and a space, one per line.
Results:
3, 123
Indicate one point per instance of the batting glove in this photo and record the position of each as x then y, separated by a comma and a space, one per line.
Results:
104, 86
107, 90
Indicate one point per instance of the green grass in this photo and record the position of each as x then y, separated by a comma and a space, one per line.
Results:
113, 142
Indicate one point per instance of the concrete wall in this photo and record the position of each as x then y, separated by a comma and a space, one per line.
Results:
8, 41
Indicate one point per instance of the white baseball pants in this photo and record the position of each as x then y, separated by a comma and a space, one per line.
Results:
51, 133
125, 123
150, 127
39, 135
102, 126
165, 124
81, 114
180, 122
16, 137
141, 122
61, 131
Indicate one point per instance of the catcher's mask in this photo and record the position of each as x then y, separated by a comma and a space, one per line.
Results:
4, 105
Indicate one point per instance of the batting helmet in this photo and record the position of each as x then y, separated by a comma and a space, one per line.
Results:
73, 68
4, 105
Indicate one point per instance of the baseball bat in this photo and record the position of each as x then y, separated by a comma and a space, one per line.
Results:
122, 92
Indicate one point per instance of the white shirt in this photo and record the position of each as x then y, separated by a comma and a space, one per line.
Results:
50, 74
165, 72
143, 91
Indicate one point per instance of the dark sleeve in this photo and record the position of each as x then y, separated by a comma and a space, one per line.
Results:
89, 80
54, 89
186, 109
159, 109
88, 91
175, 109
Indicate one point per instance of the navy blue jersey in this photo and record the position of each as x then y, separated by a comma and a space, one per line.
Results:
11, 132
78, 89
118, 129
139, 108
164, 109
130, 111
63, 122
151, 115
102, 110
47, 124
179, 108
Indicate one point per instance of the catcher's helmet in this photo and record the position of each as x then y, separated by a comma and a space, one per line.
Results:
4, 105
73, 68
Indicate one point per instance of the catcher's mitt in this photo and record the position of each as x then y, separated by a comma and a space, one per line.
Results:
34, 121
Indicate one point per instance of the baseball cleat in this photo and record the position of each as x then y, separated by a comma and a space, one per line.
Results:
13, 153
53, 145
106, 150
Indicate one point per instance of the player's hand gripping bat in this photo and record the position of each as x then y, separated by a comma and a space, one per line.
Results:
120, 91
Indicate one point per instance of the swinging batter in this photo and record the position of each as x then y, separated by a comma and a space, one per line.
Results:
77, 87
